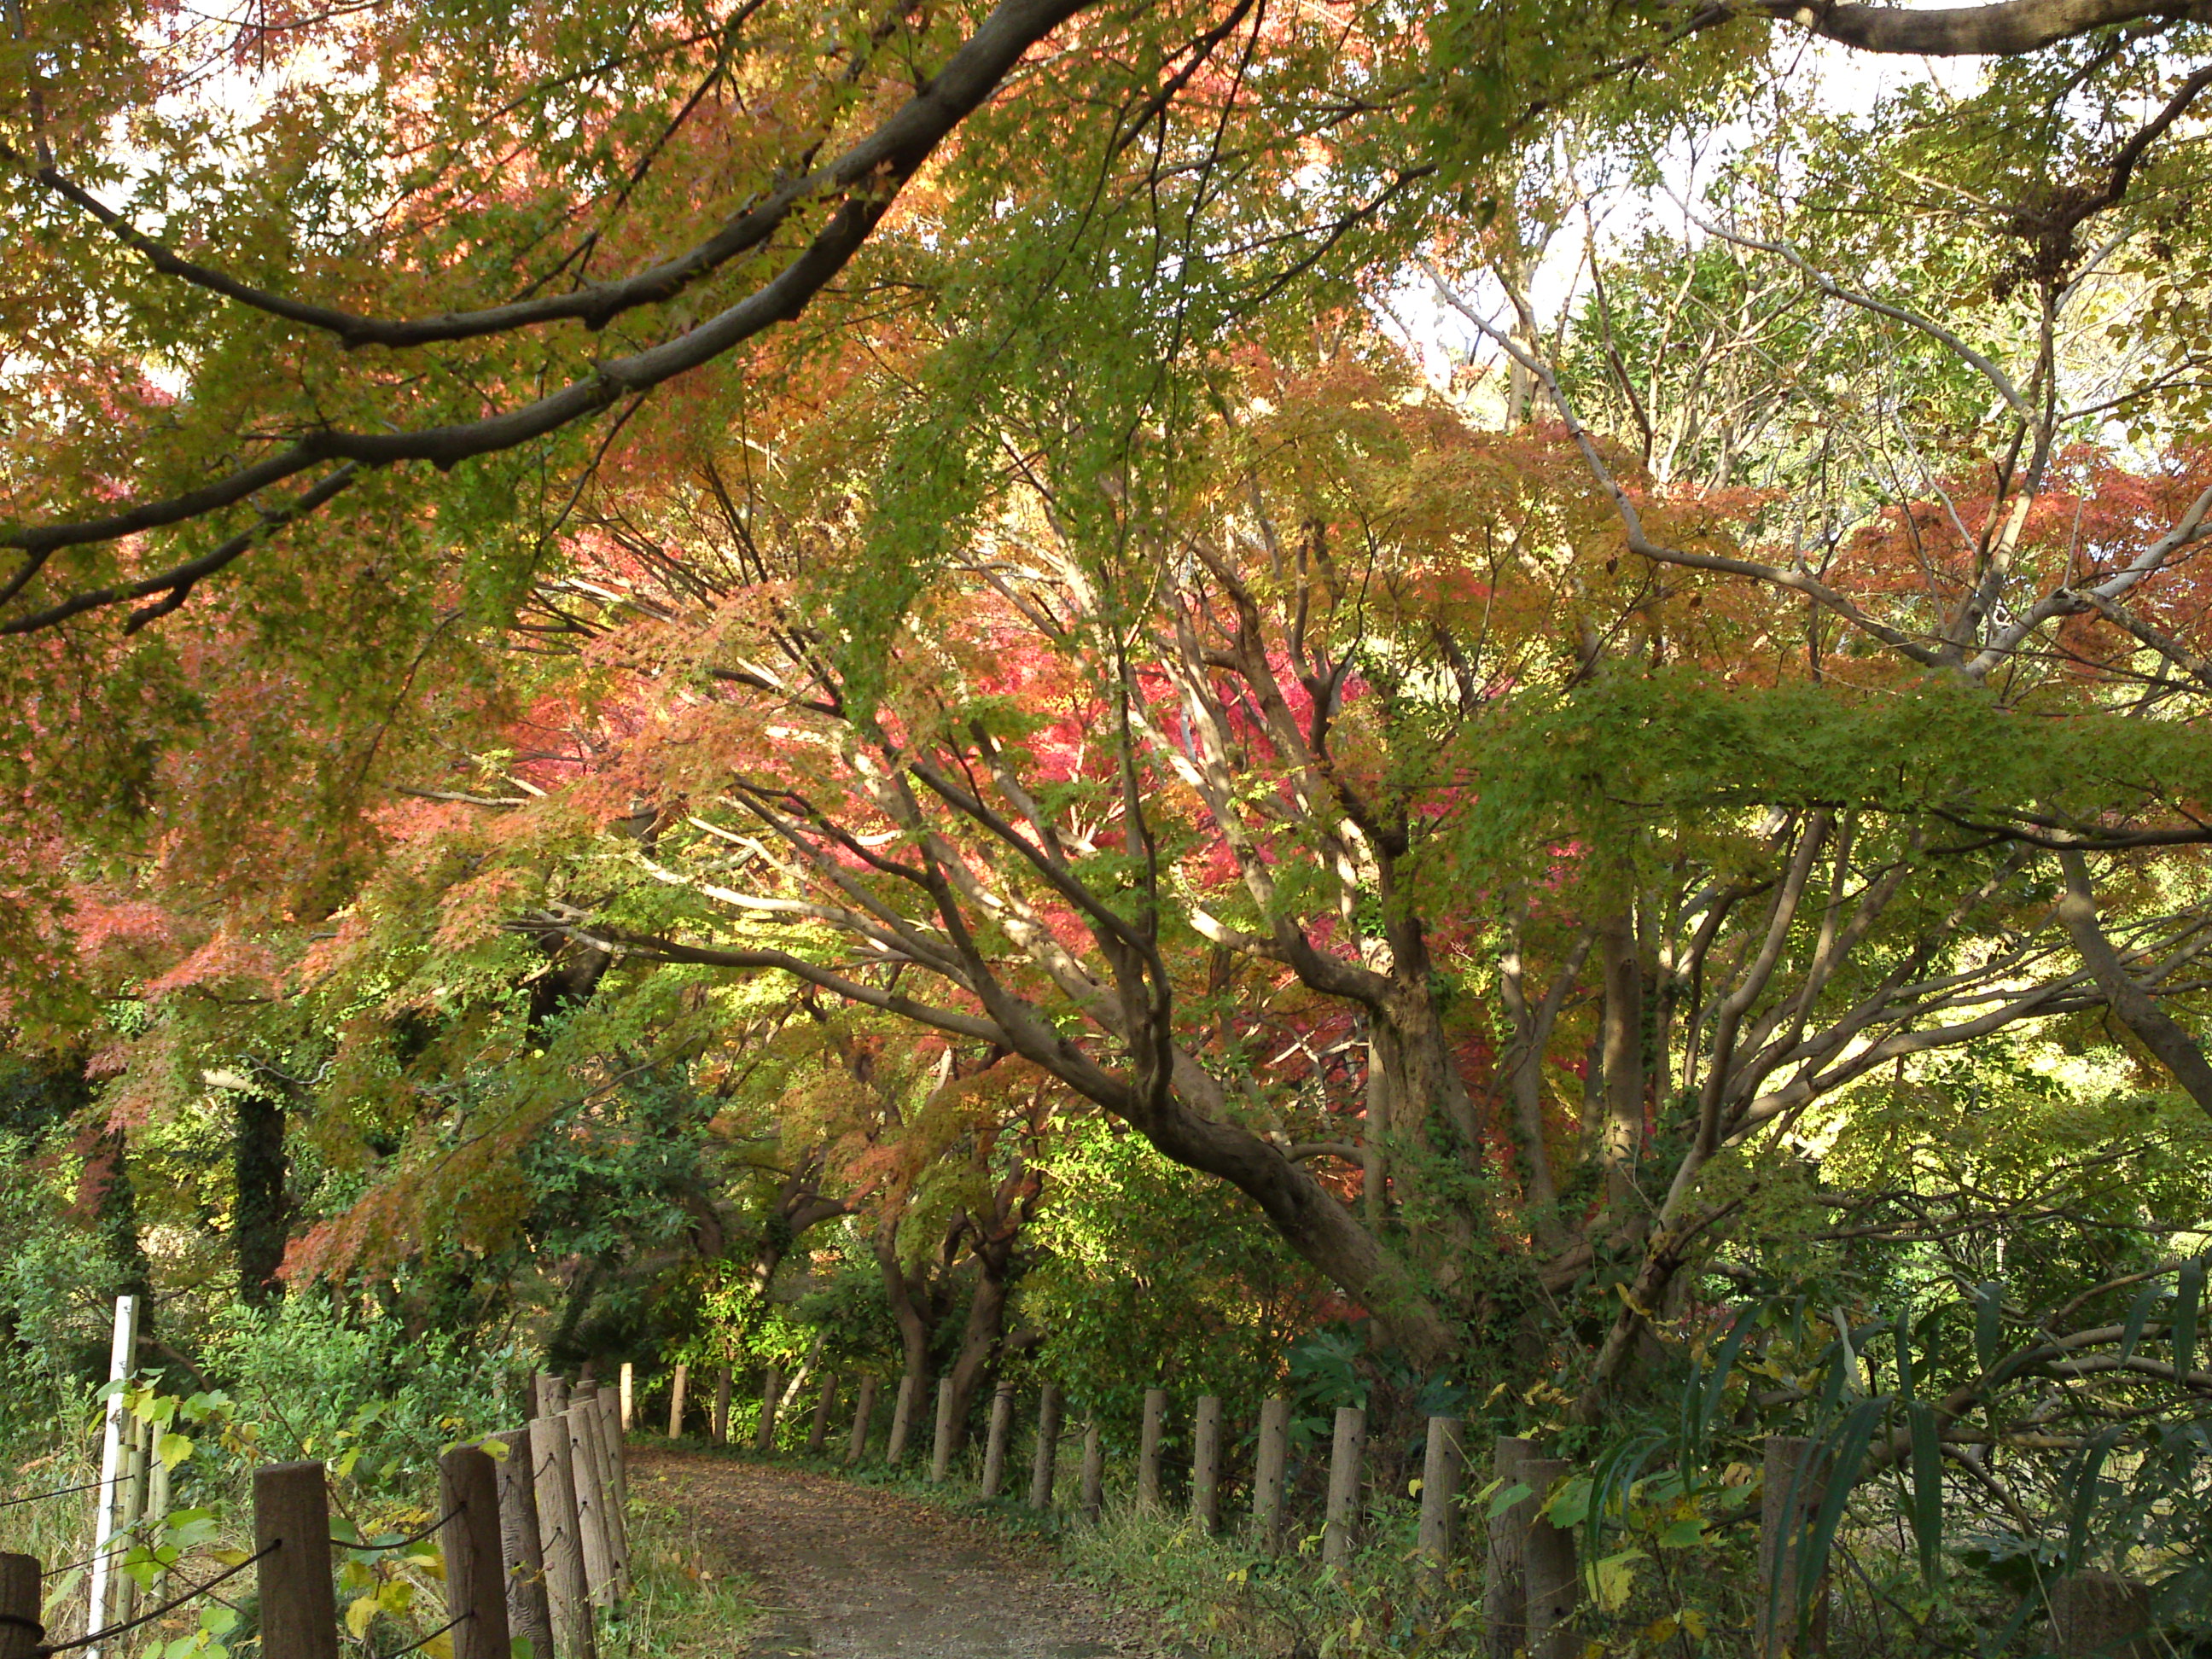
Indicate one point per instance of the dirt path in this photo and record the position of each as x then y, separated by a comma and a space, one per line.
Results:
853, 1572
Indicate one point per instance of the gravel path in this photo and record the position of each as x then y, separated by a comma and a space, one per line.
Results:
858, 1573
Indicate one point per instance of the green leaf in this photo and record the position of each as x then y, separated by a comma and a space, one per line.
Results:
2188, 1296
1570, 1506
1926, 1513
173, 1449
2138, 1316
2085, 1493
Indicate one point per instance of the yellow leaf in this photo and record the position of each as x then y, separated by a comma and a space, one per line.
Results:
361, 1614
230, 1558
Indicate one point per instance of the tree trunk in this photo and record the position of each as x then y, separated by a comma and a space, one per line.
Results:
979, 1345
1621, 1134
260, 1215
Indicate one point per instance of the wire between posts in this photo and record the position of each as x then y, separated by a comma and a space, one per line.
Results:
165, 1609
400, 1543
414, 1647
58, 1491
56, 1573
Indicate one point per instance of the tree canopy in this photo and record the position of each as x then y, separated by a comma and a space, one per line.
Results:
805, 680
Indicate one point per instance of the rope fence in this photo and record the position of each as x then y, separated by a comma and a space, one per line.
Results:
1533, 1588
530, 1524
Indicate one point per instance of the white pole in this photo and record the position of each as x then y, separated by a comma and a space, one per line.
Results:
121, 1361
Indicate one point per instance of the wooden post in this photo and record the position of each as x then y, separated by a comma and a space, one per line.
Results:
1046, 1463
676, 1392
817, 1432
771, 1403
1346, 1458
864, 1412
131, 1515
1205, 1465
1269, 1465
292, 1524
614, 1477
157, 1505
522, 1546
1791, 1489
1093, 1497
582, 1421
560, 1535
2100, 1614
122, 1360
940, 1451
1505, 1578
718, 1426
994, 1449
1547, 1558
20, 1631
628, 1396
1149, 1437
544, 1401
475, 1584
903, 1414
1440, 1478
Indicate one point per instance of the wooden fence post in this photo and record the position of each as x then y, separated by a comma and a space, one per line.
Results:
542, 1400
592, 1532
1046, 1463
1440, 1481
292, 1524
1093, 1496
676, 1390
771, 1403
1205, 1465
719, 1426
1346, 1458
522, 1546
476, 1586
628, 1396
994, 1448
863, 1410
940, 1451
1505, 1580
568, 1591
817, 1432
20, 1631
1547, 1556
614, 1476
1794, 1484
123, 1598
1149, 1437
157, 1504
1268, 1468
2100, 1614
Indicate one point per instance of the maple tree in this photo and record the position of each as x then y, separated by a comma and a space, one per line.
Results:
1071, 592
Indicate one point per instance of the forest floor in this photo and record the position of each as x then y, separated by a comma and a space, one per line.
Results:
849, 1571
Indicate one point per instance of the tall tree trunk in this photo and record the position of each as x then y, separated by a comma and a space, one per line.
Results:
979, 1341
907, 1310
1621, 1132
259, 1218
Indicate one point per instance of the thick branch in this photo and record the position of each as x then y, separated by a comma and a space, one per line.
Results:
2174, 1048
2003, 30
